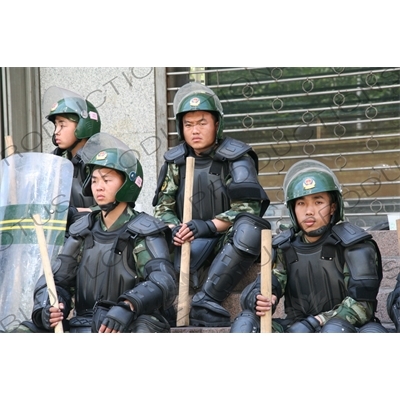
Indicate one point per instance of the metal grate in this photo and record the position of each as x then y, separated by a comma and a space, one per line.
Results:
348, 118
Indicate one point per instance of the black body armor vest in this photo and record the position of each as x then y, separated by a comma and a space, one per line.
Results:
315, 284
104, 272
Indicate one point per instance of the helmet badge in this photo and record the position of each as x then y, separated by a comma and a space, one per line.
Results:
139, 181
101, 156
308, 183
54, 107
194, 102
93, 115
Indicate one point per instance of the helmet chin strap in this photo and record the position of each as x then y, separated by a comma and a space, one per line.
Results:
109, 207
320, 231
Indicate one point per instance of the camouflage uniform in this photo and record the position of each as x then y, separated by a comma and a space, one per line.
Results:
165, 209
225, 187
329, 284
119, 277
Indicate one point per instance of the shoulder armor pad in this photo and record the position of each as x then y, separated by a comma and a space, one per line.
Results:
283, 237
177, 154
350, 234
82, 224
145, 224
231, 149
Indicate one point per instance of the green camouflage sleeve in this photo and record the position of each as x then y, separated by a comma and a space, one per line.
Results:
355, 312
279, 271
165, 208
252, 207
141, 256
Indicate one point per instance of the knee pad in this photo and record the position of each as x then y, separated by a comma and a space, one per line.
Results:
338, 325
246, 322
150, 324
373, 327
247, 233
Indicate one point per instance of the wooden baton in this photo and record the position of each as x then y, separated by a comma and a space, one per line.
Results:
266, 287
184, 275
48, 273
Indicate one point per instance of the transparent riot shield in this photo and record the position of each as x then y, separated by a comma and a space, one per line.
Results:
30, 184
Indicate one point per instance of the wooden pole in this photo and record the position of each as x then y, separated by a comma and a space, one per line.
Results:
10, 150
266, 287
9, 145
184, 276
48, 273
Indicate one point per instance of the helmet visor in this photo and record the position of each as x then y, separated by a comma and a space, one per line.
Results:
102, 141
295, 185
62, 101
193, 88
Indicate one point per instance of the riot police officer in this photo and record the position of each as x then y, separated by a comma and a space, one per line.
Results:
75, 121
115, 262
328, 271
228, 203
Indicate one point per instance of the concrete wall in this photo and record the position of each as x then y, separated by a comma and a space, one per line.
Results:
126, 101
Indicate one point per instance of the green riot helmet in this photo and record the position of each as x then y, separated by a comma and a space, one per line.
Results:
58, 101
310, 177
124, 161
196, 97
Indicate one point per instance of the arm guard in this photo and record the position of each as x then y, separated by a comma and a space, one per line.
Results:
158, 291
245, 184
363, 262
156, 233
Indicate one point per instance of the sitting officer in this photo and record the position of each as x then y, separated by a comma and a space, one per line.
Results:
228, 203
327, 270
115, 262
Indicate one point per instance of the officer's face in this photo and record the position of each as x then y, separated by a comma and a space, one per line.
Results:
199, 130
314, 211
105, 184
64, 132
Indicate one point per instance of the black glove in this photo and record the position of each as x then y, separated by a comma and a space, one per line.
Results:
46, 314
174, 231
119, 317
202, 229
307, 325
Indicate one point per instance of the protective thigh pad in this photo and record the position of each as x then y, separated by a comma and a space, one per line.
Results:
200, 250
247, 232
364, 279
